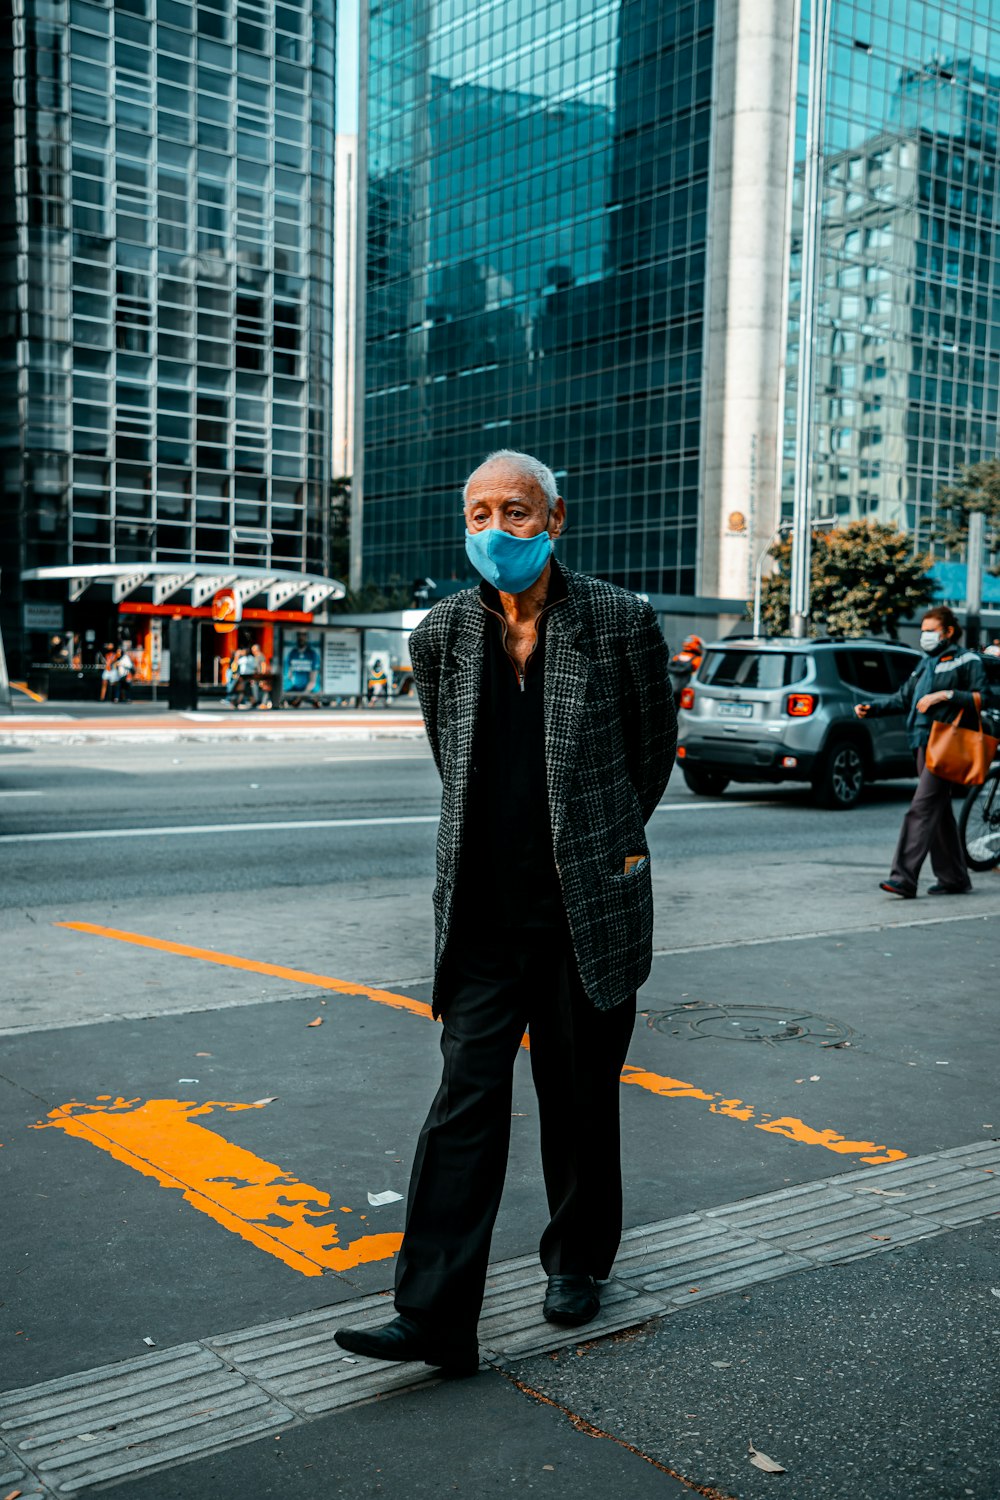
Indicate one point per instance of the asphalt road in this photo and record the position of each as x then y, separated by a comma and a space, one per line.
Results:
193, 789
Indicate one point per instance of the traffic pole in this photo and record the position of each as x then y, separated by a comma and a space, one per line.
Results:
812, 191
974, 577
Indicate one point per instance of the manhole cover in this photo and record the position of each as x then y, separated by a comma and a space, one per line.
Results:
748, 1023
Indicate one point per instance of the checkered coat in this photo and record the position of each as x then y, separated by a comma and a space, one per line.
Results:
610, 737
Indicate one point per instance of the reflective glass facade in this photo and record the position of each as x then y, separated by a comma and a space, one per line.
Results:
167, 281
537, 211
908, 310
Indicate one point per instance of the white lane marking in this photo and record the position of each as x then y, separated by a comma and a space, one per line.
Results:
194, 828
802, 937
708, 806
341, 760
21, 794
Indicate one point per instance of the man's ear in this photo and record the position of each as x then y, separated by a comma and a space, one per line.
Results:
557, 518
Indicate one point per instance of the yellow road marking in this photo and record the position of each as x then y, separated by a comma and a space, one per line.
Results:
787, 1126
254, 1198
276, 971
672, 1088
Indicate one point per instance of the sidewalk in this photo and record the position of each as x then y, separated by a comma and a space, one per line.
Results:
830, 1299
148, 723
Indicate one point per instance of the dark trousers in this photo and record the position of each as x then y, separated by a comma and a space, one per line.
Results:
929, 828
493, 986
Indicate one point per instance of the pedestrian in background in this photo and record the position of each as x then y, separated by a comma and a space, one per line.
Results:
108, 656
929, 823
549, 714
122, 668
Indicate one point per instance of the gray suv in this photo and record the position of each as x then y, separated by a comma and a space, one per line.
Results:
782, 709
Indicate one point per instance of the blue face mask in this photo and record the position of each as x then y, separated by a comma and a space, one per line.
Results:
511, 563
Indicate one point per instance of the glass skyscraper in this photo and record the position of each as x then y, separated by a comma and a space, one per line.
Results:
537, 213
584, 239
166, 283
907, 365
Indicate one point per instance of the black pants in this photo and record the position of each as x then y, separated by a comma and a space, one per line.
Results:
929, 828
494, 985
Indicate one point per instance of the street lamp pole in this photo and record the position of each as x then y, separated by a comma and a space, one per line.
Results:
812, 193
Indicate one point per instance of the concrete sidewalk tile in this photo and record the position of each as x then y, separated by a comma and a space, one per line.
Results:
140, 1415
843, 1232
644, 1246
508, 1276
14, 1476
298, 1361
981, 1155
960, 1198
722, 1266
772, 1214
516, 1327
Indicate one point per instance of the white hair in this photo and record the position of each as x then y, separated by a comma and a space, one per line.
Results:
522, 463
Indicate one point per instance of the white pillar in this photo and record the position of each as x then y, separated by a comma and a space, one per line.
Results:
756, 53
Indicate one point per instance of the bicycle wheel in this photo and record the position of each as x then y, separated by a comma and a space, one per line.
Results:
979, 824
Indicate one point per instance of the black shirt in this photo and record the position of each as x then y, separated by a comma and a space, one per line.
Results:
507, 851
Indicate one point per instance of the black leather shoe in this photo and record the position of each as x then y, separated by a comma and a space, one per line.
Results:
893, 888
403, 1339
571, 1300
948, 890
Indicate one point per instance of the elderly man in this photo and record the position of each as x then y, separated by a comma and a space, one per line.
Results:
548, 709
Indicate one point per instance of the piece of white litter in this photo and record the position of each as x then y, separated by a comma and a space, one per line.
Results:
86, 1437
255, 786
345, 1360
995, 1290
761, 1461
814, 1078
939, 1064
188, 1080
378, 1199
149, 1343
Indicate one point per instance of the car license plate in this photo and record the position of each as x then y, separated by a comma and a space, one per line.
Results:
735, 710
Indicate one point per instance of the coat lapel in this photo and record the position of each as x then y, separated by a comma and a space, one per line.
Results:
463, 684
566, 672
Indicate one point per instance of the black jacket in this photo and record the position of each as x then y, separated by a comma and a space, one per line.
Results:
610, 736
949, 668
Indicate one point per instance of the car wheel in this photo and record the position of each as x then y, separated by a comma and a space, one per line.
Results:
705, 783
840, 782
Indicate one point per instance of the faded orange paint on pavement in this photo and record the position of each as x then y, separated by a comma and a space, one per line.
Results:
254, 966
655, 1083
253, 1198
787, 1126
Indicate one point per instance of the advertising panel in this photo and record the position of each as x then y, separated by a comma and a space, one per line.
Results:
342, 662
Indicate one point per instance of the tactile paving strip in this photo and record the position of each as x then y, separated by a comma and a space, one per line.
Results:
691, 1258
823, 1223
166, 1408
143, 1414
298, 1362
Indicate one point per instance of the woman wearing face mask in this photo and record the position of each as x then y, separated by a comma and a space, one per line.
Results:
929, 823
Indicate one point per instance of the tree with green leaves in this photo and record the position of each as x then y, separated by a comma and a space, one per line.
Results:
977, 487
864, 581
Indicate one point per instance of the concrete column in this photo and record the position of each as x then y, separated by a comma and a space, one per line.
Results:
755, 62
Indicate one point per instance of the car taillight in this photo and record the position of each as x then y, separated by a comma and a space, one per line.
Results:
687, 697
800, 705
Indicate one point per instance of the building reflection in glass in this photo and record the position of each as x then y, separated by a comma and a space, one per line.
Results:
536, 263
